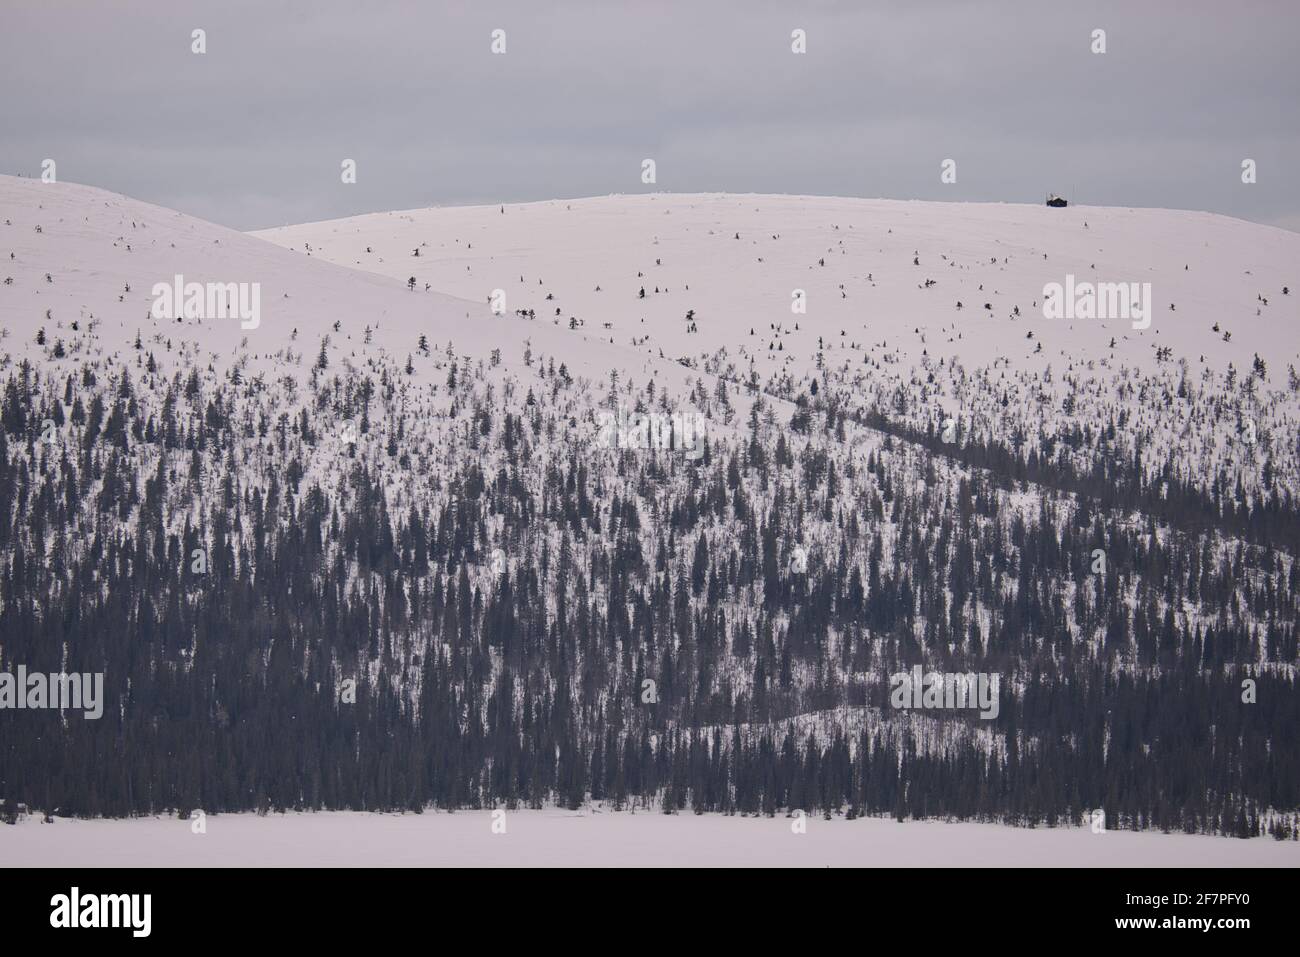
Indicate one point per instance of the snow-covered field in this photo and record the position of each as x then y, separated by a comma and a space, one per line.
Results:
643, 839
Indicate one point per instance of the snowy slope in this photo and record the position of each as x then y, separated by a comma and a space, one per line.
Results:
868, 294
93, 244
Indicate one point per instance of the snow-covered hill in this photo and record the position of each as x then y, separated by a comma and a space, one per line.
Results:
81, 263
376, 550
770, 289
736, 261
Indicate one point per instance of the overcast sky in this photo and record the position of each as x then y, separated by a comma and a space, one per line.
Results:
252, 133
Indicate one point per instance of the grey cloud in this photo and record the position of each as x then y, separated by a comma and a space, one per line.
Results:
252, 133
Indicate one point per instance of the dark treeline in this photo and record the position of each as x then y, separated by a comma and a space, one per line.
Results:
1268, 520
620, 626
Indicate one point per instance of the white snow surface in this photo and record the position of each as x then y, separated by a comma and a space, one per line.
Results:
574, 246
557, 838
92, 244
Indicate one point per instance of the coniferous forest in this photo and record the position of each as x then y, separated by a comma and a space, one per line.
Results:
374, 594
